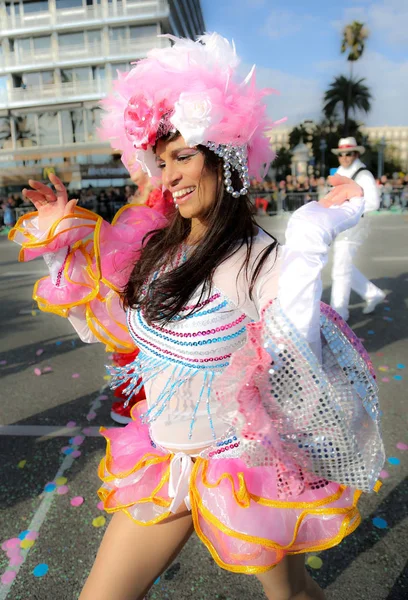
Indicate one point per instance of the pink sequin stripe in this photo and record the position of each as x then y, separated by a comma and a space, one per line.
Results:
197, 333
183, 358
204, 303
61, 270
349, 333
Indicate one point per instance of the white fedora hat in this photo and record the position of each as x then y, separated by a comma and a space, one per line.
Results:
348, 144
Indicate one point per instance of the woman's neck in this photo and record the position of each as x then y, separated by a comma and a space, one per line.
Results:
197, 231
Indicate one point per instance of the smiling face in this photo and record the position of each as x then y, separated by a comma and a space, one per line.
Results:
184, 174
346, 159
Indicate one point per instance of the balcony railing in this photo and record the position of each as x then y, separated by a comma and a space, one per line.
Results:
85, 15
97, 51
53, 93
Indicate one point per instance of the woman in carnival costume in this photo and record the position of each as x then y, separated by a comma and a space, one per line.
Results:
261, 425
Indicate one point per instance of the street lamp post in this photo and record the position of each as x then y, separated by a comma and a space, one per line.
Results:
380, 163
323, 148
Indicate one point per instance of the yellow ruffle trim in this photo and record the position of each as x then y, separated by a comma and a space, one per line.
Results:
243, 498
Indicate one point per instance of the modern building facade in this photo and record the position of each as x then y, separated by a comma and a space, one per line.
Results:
395, 140
58, 59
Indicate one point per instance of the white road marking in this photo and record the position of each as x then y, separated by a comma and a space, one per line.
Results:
41, 512
47, 431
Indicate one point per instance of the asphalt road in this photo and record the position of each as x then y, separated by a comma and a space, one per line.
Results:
42, 415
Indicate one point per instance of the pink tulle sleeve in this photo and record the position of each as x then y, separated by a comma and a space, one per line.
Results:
90, 261
323, 417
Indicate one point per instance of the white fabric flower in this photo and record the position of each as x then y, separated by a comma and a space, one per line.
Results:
147, 161
193, 114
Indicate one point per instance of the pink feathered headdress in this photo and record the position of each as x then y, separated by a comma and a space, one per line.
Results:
194, 88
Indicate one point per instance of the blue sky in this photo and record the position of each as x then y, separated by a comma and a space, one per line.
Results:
296, 47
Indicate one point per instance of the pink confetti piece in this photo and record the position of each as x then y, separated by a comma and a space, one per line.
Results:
384, 474
47, 369
71, 424
77, 501
12, 543
385, 379
32, 535
39, 352
91, 415
3, 362
65, 448
362, 339
103, 397
37, 371
87, 431
76, 454
8, 577
75, 375
402, 446
16, 561
78, 439
62, 489
100, 505
379, 353
13, 552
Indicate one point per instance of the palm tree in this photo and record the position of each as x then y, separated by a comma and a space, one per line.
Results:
354, 37
351, 94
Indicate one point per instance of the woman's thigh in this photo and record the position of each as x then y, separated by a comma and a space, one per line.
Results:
132, 556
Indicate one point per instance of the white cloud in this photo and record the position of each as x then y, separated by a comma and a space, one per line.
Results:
281, 23
387, 80
299, 98
386, 18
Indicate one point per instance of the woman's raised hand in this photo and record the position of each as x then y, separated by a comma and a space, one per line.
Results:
343, 189
51, 205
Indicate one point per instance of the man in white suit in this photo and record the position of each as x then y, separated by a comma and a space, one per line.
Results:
345, 276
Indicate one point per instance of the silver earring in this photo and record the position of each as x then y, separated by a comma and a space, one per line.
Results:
234, 157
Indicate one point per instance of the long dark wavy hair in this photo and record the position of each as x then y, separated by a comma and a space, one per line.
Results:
230, 225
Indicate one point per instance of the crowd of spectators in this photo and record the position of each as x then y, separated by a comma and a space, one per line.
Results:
292, 192
269, 197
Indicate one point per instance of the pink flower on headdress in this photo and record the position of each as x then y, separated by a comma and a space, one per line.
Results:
142, 120
195, 113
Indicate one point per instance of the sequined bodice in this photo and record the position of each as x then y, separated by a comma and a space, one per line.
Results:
203, 340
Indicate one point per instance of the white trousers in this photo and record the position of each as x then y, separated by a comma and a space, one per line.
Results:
346, 277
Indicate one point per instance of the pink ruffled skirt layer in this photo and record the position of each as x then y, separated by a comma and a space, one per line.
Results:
241, 514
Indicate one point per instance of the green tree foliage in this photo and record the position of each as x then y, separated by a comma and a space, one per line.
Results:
349, 95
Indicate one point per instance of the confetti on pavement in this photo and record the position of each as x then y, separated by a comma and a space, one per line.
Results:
384, 474
39, 352
40, 570
77, 501
99, 522
402, 446
315, 562
22, 463
380, 523
394, 461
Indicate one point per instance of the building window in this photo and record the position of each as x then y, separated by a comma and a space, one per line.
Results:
122, 67
71, 39
35, 6
136, 33
117, 33
75, 75
48, 129
69, 4
73, 126
26, 128
93, 121
42, 44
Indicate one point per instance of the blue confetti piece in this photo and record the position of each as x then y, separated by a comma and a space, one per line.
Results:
73, 343
40, 570
398, 377
23, 534
394, 461
50, 487
400, 366
370, 332
387, 308
58, 343
380, 523
68, 451
157, 580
